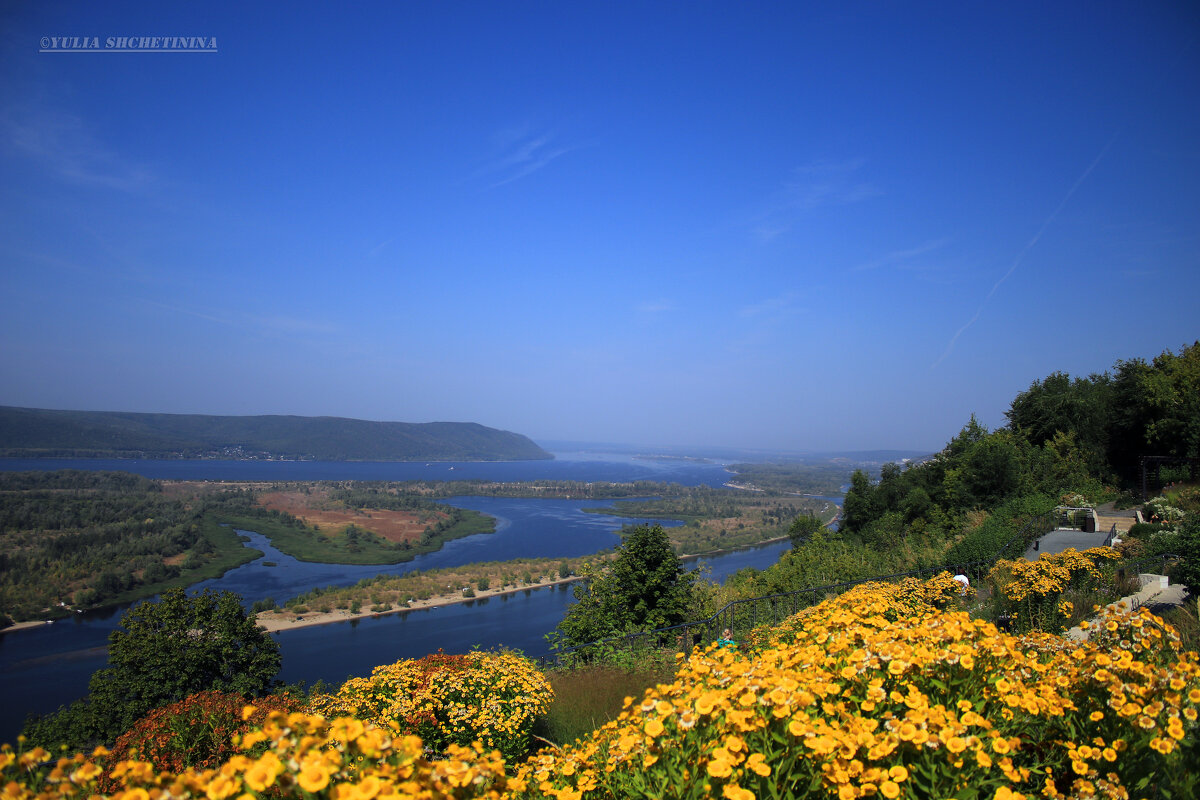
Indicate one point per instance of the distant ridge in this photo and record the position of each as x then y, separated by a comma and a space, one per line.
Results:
36, 432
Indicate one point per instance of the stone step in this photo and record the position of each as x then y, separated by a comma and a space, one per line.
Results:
1123, 523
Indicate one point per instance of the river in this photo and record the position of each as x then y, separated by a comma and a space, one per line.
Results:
48, 666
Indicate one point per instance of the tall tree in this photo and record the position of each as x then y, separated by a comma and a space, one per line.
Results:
859, 506
802, 529
1058, 404
1156, 410
181, 645
645, 587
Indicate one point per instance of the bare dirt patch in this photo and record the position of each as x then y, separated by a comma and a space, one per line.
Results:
395, 526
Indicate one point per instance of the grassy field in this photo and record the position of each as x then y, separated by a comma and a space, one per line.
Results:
586, 697
723, 520
307, 544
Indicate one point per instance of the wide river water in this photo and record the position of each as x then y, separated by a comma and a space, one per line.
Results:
48, 666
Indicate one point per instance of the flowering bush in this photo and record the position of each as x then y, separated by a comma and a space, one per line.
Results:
1076, 500
493, 698
1032, 591
197, 731
939, 591
1160, 510
857, 697
872, 693
303, 757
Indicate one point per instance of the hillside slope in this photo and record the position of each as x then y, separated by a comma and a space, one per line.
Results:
26, 432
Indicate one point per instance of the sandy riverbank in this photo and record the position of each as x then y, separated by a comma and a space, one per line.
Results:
24, 626
276, 622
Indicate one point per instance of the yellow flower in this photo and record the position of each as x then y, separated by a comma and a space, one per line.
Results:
706, 703
220, 787
1005, 793
734, 792
313, 777
86, 773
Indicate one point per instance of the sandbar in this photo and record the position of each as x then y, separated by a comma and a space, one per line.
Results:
275, 622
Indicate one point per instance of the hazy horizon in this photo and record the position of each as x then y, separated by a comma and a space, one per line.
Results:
754, 226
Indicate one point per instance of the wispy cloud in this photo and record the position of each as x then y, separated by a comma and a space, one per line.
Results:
1025, 251
64, 144
656, 307
377, 249
518, 153
814, 185
901, 257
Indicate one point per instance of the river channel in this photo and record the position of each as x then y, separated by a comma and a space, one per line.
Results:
48, 666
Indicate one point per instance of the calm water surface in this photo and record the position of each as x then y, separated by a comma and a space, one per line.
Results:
46, 667
575, 466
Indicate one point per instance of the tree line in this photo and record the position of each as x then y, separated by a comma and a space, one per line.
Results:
1068, 440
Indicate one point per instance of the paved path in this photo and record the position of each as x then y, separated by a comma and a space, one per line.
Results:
1107, 516
1155, 594
1057, 541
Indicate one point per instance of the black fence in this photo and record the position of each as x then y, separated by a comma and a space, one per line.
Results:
1159, 471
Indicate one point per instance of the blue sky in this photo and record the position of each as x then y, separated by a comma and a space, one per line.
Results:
764, 225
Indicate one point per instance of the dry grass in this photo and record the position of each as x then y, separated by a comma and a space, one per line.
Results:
586, 697
395, 526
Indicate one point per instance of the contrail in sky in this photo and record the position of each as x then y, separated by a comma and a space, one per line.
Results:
1025, 250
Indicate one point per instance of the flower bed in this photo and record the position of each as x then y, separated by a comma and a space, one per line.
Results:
873, 693
1031, 592
493, 698
860, 697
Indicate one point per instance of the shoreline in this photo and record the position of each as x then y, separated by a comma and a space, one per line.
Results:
24, 626
275, 622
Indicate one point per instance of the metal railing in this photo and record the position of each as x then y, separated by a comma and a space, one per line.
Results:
1112, 535
1030, 532
741, 616
1136, 566
1076, 517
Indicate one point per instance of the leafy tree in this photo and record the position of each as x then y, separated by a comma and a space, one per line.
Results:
992, 471
1059, 405
1156, 410
916, 504
645, 587
802, 529
1187, 544
165, 652
1172, 397
859, 507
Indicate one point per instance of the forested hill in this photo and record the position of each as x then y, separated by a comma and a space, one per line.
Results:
32, 432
